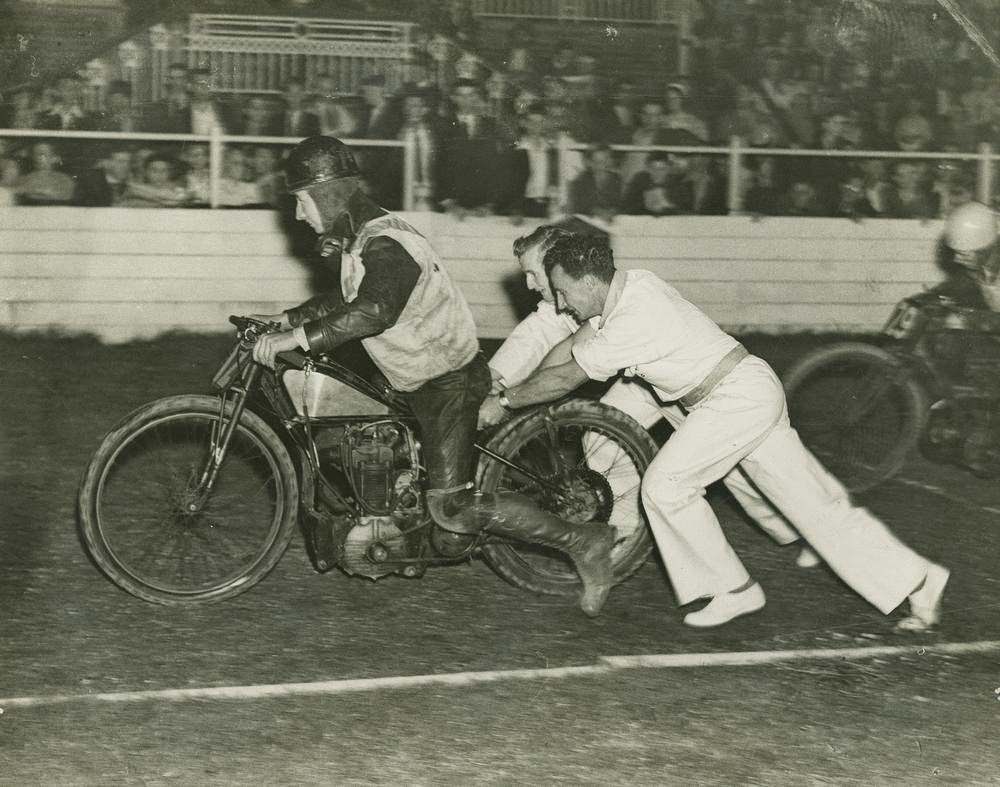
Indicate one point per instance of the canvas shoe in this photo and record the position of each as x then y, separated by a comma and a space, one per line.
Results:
726, 606
925, 601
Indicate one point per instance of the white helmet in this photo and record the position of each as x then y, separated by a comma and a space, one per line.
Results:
970, 227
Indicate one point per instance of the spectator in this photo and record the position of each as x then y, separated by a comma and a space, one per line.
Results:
297, 119
801, 199
648, 132
171, 114
537, 165
105, 184
66, 111
760, 188
661, 189
852, 202
335, 118
878, 128
614, 119
520, 61
597, 190
913, 130
476, 155
206, 114
267, 174
749, 119
258, 118
682, 127
157, 189
24, 112
876, 184
953, 186
197, 179
909, 198
235, 186
422, 129
802, 125
563, 63
381, 117
120, 115
45, 184
10, 173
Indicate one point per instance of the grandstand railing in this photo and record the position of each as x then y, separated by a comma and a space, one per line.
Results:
415, 193
655, 11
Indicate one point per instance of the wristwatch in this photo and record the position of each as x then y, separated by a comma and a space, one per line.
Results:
504, 401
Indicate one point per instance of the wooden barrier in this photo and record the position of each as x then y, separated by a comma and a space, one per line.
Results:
129, 273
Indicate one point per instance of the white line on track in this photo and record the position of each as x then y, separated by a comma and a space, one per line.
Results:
605, 665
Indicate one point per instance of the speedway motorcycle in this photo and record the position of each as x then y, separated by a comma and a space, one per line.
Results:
931, 383
194, 498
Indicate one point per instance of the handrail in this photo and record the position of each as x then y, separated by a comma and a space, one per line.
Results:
215, 143
985, 157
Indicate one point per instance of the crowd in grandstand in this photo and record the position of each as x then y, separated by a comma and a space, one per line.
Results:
501, 139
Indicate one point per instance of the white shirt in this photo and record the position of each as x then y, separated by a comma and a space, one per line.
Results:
529, 343
204, 119
647, 329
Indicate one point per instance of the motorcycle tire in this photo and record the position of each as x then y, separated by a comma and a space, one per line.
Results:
138, 519
583, 431
858, 410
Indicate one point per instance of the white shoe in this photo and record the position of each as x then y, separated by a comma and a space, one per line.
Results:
807, 558
723, 608
925, 601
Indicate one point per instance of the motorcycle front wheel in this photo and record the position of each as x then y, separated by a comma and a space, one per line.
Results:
858, 410
595, 455
147, 524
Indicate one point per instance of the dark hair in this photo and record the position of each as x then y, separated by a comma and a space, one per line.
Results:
579, 255
658, 155
544, 236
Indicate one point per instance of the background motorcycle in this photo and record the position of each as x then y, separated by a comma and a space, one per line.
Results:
934, 381
194, 498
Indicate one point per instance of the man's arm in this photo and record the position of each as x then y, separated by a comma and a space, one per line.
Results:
547, 384
390, 276
527, 345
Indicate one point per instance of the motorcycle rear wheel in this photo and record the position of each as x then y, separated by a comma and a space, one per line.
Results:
603, 454
858, 410
143, 526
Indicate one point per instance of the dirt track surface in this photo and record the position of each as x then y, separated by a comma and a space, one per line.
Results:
915, 718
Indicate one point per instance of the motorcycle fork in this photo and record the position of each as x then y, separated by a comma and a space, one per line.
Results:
222, 433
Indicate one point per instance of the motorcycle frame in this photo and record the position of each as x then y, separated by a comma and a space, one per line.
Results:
261, 391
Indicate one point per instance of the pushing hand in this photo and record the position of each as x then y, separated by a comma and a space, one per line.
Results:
491, 412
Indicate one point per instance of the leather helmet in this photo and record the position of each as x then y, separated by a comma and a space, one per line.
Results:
971, 227
318, 159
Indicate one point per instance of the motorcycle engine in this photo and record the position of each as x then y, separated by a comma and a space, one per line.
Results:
380, 461
965, 432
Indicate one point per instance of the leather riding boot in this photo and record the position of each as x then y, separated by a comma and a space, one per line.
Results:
516, 516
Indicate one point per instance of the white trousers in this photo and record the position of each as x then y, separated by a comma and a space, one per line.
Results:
744, 422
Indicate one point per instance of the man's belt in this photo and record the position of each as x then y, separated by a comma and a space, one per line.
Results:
714, 377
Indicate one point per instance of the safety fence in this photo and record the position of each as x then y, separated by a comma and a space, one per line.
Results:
417, 189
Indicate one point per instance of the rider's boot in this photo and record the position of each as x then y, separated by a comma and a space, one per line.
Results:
516, 516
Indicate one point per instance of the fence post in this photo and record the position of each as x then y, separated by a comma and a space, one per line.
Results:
984, 181
409, 170
214, 166
734, 194
562, 184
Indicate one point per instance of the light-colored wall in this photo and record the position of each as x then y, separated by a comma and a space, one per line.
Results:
128, 273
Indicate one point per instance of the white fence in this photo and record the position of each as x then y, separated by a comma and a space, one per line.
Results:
124, 274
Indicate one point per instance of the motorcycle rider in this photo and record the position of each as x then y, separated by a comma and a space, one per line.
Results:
526, 347
397, 298
970, 232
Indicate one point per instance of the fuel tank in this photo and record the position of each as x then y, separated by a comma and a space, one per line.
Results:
327, 397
